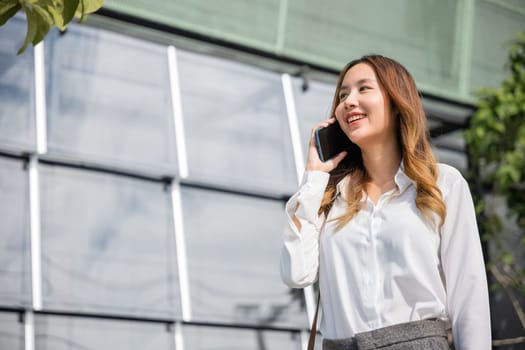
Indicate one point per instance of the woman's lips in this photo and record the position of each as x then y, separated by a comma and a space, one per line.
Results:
354, 117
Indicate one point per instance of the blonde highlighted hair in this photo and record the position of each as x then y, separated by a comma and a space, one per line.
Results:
419, 162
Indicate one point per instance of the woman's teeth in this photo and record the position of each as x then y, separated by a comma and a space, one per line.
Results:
355, 117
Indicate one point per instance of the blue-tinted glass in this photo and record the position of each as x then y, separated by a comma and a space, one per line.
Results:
107, 244
17, 97
210, 338
15, 270
236, 124
67, 333
233, 245
109, 100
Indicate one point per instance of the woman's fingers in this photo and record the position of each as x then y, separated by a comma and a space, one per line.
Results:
337, 159
313, 160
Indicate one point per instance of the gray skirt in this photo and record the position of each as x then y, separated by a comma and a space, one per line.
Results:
425, 334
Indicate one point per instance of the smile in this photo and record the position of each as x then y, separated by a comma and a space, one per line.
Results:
354, 117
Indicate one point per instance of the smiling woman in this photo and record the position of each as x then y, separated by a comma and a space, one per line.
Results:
389, 233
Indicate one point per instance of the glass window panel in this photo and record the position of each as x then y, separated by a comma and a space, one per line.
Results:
109, 100
420, 34
221, 338
66, 333
17, 96
15, 263
233, 260
11, 331
312, 106
236, 124
252, 23
494, 27
107, 244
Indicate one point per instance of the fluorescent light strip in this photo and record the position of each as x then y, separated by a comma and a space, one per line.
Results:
40, 99
176, 103
34, 208
293, 125
182, 264
29, 330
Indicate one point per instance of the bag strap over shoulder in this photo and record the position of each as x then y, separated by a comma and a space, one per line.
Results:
313, 330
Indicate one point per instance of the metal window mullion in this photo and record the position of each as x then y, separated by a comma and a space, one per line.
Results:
29, 330
304, 337
281, 26
293, 125
295, 136
465, 34
36, 250
178, 121
40, 99
182, 264
177, 333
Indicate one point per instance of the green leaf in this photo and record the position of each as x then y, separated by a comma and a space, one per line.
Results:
8, 10
44, 22
57, 14
31, 28
91, 6
87, 6
507, 258
70, 7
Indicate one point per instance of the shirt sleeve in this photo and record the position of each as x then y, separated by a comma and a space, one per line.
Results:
464, 270
300, 251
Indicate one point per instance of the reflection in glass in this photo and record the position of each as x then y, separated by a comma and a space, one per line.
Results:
222, 338
109, 99
107, 244
236, 124
15, 263
66, 333
11, 331
233, 245
17, 98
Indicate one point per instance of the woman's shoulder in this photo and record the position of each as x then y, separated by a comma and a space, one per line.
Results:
448, 176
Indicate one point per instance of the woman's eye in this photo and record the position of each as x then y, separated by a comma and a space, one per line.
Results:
363, 88
342, 96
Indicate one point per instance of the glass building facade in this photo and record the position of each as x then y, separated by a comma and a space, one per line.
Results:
143, 175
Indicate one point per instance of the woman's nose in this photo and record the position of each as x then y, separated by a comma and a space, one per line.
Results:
350, 101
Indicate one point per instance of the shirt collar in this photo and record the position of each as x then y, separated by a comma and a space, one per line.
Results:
401, 178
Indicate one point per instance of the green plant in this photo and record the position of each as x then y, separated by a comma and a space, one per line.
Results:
496, 149
44, 14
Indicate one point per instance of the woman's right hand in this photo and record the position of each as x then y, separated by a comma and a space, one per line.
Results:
313, 162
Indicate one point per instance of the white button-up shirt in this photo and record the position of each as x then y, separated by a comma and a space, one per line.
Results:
389, 264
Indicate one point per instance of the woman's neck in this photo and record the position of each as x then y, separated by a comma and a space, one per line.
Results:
382, 162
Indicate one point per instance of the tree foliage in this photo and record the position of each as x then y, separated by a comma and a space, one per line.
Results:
496, 147
42, 15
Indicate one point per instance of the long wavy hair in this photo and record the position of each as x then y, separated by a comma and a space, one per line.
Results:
419, 162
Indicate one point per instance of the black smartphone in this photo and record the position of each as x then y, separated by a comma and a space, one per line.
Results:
330, 141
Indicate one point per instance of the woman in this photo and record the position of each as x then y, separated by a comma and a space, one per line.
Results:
390, 234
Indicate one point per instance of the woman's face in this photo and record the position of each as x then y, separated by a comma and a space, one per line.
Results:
363, 110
